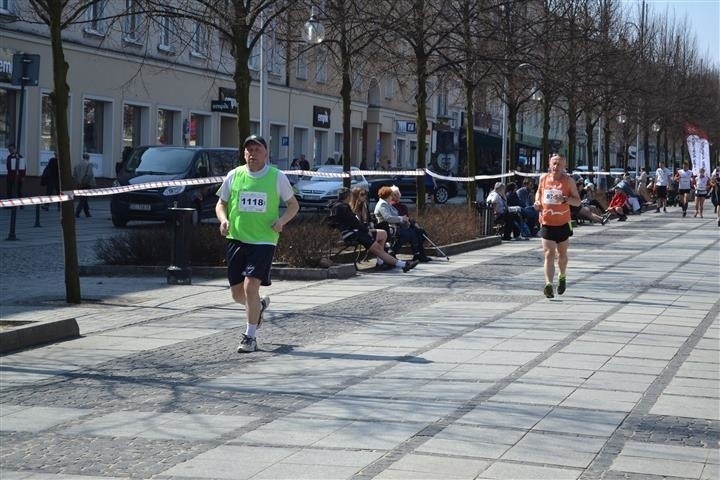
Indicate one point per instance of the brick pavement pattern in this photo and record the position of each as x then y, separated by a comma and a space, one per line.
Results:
456, 370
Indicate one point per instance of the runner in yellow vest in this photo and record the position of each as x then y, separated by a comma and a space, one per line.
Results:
248, 211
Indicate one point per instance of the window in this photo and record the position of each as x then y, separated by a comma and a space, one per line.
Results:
196, 129
167, 35
321, 65
8, 104
94, 17
275, 57
442, 102
339, 144
132, 125
199, 41
47, 124
302, 67
389, 87
254, 60
93, 113
132, 21
6, 6
165, 127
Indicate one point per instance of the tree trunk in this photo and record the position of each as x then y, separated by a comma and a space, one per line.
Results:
547, 107
421, 101
572, 134
60, 101
607, 133
511, 160
470, 140
345, 93
589, 127
242, 88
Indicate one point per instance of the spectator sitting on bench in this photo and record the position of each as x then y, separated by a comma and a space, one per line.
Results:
352, 229
503, 215
359, 205
406, 231
414, 226
513, 200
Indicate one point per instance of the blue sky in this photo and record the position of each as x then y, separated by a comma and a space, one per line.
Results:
703, 18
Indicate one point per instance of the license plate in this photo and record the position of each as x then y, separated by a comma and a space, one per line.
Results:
139, 206
312, 197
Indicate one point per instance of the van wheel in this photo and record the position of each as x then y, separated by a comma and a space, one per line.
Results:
119, 221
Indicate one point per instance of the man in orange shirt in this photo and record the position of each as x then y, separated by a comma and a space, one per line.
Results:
555, 194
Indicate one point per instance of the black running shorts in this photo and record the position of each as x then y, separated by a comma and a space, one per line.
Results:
249, 260
557, 234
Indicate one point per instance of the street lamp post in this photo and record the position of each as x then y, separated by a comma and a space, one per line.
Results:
263, 76
621, 119
503, 150
656, 130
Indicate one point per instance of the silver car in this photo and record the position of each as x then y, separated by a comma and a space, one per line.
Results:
317, 191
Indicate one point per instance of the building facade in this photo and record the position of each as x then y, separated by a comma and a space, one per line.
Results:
141, 81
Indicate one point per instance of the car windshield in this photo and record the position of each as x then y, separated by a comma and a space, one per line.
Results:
160, 161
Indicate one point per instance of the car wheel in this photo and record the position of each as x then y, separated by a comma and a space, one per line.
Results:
441, 194
119, 221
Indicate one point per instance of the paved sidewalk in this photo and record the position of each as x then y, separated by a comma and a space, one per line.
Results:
456, 370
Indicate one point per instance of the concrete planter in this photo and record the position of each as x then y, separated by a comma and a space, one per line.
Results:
279, 271
19, 335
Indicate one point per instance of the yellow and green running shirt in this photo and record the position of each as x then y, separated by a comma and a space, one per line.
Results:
253, 202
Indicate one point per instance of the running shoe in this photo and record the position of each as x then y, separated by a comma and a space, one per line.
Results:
548, 291
247, 345
561, 285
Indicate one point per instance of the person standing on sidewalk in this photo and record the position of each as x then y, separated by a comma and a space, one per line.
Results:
555, 194
16, 167
84, 178
248, 210
684, 178
662, 181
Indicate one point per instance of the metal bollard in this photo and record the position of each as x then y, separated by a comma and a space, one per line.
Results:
179, 271
37, 216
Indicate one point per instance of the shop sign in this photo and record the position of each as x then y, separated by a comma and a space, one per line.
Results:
321, 117
226, 102
6, 64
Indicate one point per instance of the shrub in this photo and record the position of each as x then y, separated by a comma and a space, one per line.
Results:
303, 243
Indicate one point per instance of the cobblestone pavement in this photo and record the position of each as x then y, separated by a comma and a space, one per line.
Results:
456, 370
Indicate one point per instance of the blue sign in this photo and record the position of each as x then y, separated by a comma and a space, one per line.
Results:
285, 141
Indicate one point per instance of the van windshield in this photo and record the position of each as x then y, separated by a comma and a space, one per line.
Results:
160, 161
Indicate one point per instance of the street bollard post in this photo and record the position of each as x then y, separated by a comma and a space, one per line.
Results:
179, 271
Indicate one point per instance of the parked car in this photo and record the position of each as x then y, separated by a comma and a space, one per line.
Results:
317, 191
442, 190
159, 163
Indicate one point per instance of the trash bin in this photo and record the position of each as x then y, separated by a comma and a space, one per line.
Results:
179, 271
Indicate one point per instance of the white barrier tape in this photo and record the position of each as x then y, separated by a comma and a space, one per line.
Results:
40, 200
98, 192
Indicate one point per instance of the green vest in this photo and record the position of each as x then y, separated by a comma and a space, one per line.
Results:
253, 207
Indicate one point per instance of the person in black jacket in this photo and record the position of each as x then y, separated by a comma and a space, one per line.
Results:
352, 229
50, 179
